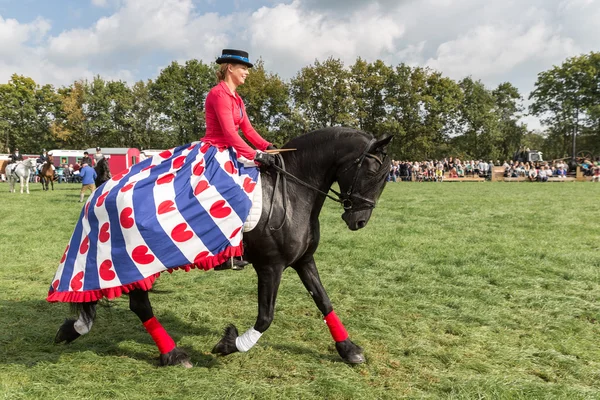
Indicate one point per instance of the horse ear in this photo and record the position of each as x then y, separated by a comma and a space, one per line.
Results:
380, 145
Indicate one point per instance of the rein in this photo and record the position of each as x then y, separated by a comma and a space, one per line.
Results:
344, 199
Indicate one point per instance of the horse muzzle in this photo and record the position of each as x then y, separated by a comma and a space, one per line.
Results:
356, 220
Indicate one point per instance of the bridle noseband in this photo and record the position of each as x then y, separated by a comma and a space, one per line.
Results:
344, 199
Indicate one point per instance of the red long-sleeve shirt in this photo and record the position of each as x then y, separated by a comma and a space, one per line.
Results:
225, 115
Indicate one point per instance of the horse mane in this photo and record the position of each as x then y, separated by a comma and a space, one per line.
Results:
316, 138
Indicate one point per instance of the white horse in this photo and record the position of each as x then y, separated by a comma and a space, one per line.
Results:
21, 170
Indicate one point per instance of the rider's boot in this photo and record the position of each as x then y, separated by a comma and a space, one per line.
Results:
233, 263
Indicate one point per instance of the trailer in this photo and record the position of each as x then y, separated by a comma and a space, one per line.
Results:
61, 157
119, 158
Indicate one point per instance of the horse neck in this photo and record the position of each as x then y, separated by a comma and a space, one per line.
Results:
317, 162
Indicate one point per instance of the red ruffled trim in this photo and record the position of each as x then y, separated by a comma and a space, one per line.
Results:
143, 284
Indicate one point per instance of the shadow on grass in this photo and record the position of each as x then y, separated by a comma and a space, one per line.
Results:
27, 330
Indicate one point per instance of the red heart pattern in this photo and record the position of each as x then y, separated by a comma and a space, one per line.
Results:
106, 273
85, 245
235, 232
76, 281
204, 148
165, 207
120, 175
147, 168
219, 209
104, 234
249, 185
200, 257
178, 162
141, 256
64, 257
127, 187
201, 187
165, 179
198, 169
166, 154
87, 207
101, 198
55, 284
230, 168
181, 234
125, 218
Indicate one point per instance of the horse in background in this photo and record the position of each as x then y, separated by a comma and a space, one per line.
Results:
21, 170
102, 172
46, 174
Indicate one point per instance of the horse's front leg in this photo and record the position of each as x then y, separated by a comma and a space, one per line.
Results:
307, 270
268, 285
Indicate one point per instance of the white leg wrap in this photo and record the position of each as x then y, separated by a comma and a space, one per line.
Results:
247, 340
82, 326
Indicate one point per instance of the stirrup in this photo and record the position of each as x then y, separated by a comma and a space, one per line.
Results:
233, 263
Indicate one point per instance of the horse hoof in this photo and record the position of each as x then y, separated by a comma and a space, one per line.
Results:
175, 357
350, 353
66, 332
227, 344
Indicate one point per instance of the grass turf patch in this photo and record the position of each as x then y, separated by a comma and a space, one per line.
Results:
454, 291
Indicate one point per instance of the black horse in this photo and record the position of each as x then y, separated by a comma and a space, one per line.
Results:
288, 234
102, 172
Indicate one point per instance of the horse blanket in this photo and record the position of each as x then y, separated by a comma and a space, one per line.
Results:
183, 208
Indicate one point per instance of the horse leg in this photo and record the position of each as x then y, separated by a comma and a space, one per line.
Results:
52, 183
71, 329
268, 285
170, 354
21, 179
307, 270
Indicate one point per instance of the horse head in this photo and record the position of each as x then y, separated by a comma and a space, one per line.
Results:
362, 180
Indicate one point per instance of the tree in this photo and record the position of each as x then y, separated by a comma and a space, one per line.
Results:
321, 94
567, 98
179, 93
508, 109
267, 98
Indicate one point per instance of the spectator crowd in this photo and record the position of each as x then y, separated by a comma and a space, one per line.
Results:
438, 170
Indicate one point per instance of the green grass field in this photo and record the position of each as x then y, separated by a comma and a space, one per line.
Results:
455, 290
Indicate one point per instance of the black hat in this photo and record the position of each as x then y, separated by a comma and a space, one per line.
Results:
234, 57
97, 148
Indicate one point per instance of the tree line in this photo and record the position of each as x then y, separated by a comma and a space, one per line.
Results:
430, 115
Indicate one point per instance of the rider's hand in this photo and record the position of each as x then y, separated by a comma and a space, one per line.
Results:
271, 147
265, 159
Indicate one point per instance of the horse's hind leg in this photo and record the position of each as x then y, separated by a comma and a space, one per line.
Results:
307, 270
170, 354
71, 329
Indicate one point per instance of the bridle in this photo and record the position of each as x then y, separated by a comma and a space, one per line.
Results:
345, 199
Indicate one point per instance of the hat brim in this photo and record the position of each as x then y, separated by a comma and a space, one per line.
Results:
228, 60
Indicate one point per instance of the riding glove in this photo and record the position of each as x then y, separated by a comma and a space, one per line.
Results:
271, 147
265, 159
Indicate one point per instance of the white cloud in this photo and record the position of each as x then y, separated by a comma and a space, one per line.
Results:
512, 40
490, 51
290, 37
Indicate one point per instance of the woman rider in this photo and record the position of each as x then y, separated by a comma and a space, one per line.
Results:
226, 114
183, 208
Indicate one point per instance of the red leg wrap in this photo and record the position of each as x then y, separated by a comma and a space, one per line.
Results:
338, 332
162, 339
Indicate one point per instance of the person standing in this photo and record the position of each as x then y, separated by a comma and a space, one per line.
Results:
98, 156
86, 159
88, 177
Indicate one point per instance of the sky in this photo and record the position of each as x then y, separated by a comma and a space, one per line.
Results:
60, 41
